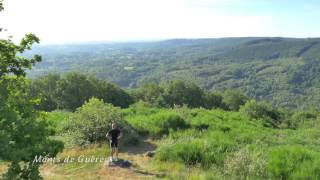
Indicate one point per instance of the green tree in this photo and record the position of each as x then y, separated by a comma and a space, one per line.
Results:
213, 100
180, 93
73, 90
151, 93
24, 133
45, 87
111, 93
234, 99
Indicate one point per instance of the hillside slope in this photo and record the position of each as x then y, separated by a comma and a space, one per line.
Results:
282, 70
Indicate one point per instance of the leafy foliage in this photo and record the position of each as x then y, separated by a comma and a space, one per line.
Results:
91, 122
72, 90
196, 152
24, 132
158, 124
234, 99
46, 89
180, 93
151, 93
214, 100
293, 163
246, 163
259, 110
226, 144
10, 62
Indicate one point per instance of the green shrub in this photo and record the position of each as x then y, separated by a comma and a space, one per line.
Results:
58, 120
151, 93
91, 122
204, 152
245, 164
213, 100
183, 93
299, 118
308, 170
169, 121
233, 100
293, 163
140, 108
257, 110
157, 124
189, 153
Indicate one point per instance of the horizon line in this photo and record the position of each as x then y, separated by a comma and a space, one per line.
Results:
163, 39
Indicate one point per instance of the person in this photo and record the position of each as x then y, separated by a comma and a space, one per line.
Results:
114, 135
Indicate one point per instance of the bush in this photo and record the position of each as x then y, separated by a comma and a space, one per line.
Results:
157, 124
196, 152
213, 100
58, 120
232, 100
91, 122
293, 163
271, 116
140, 108
183, 93
151, 93
299, 118
245, 164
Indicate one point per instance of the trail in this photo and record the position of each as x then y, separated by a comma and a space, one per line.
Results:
136, 156
133, 154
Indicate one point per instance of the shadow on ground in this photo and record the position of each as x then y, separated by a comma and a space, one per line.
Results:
149, 173
141, 148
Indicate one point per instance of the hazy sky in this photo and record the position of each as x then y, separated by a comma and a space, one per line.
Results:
60, 21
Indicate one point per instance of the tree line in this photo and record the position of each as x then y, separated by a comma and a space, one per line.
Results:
71, 90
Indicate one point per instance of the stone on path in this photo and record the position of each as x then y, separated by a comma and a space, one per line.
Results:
150, 153
120, 163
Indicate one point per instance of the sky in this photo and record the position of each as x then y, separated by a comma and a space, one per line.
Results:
72, 21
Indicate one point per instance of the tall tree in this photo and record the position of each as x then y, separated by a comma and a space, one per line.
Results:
24, 133
183, 93
45, 87
233, 99
151, 93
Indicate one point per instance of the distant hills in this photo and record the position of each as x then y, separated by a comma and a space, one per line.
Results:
285, 71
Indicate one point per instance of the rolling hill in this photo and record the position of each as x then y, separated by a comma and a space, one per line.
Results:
285, 71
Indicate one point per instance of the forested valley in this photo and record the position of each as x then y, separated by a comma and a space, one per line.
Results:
283, 71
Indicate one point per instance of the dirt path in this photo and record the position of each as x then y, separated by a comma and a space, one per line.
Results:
135, 155
139, 161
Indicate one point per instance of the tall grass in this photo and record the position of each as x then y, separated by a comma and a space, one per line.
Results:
216, 144
158, 123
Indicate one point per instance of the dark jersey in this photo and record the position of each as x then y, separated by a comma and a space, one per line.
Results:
114, 133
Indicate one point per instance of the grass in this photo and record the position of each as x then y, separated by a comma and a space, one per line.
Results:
157, 124
198, 144
97, 170
82, 167
58, 119
222, 144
